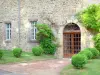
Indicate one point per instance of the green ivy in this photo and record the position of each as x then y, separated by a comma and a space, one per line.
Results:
90, 17
96, 39
46, 38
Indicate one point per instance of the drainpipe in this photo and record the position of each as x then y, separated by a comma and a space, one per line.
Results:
19, 23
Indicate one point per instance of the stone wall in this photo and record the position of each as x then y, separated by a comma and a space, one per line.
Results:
52, 12
56, 13
8, 14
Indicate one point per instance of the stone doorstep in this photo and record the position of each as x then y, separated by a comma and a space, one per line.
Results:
3, 72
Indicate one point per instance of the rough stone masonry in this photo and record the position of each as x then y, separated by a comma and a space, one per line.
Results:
56, 13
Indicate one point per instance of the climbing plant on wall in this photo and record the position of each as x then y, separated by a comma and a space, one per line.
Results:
46, 38
90, 18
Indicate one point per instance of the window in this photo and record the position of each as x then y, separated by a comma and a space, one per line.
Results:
8, 31
33, 30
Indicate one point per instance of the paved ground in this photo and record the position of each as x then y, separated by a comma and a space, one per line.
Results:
48, 67
3, 72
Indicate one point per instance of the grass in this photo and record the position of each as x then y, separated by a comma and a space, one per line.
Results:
25, 57
92, 68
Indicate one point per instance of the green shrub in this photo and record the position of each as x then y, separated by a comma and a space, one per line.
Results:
79, 60
37, 51
95, 52
1, 54
89, 17
17, 52
87, 53
46, 38
48, 46
96, 39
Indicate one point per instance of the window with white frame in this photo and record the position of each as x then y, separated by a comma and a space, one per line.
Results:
33, 30
8, 31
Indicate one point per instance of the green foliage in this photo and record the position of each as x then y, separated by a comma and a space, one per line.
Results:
97, 41
25, 57
97, 37
90, 69
48, 46
87, 53
94, 51
1, 54
90, 17
17, 52
79, 60
44, 32
46, 38
37, 51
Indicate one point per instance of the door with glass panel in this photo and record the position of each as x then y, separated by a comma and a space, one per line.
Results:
71, 43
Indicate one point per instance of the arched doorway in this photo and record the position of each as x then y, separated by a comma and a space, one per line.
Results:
71, 40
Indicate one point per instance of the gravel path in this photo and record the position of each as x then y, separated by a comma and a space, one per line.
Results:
48, 67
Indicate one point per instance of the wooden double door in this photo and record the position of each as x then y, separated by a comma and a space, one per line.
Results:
71, 43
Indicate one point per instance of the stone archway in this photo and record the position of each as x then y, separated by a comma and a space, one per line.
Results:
71, 40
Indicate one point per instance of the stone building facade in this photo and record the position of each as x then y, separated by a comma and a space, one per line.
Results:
56, 13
